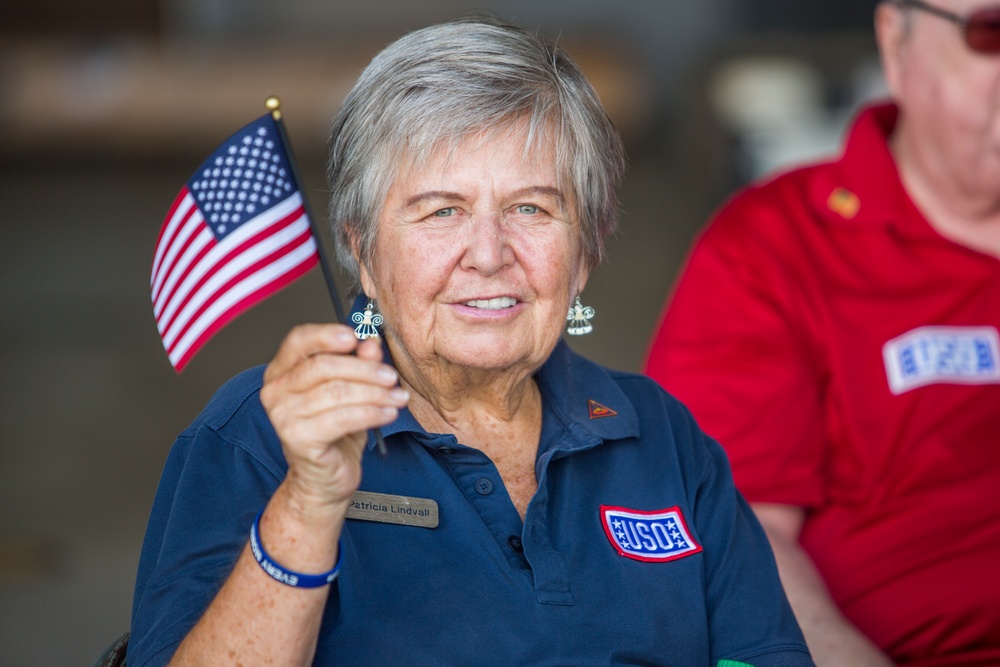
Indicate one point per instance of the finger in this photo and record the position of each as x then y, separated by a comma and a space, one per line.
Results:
311, 438
370, 348
322, 368
307, 340
334, 395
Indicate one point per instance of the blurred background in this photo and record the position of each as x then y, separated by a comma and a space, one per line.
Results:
107, 106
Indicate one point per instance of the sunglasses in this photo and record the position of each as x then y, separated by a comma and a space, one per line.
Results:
981, 28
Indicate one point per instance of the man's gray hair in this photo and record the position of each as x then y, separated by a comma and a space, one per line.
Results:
434, 87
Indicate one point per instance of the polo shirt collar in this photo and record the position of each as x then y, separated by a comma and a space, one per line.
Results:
864, 188
580, 394
585, 398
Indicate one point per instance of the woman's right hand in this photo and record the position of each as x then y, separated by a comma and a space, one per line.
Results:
322, 400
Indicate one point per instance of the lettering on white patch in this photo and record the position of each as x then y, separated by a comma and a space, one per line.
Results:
942, 355
657, 536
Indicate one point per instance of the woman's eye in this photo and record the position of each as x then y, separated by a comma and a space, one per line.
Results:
445, 212
527, 209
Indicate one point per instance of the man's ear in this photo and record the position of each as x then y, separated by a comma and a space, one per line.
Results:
891, 34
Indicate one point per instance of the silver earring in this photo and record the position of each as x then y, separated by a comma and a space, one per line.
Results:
579, 319
368, 323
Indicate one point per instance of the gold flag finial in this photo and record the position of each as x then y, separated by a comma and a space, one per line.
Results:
273, 105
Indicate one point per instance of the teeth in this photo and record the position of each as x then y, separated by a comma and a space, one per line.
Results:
493, 304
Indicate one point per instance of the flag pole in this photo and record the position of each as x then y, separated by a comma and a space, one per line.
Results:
273, 105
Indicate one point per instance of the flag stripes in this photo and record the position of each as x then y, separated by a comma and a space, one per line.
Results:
197, 282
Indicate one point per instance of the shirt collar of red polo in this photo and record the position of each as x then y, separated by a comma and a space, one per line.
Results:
866, 178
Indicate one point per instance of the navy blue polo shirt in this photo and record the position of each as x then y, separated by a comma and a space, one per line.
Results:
635, 550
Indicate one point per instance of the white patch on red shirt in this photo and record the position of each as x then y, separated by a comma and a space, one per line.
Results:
940, 354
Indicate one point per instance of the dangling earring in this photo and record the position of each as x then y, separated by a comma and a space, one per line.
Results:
579, 319
368, 323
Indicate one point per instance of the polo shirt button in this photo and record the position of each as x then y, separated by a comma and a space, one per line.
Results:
445, 450
515, 543
484, 486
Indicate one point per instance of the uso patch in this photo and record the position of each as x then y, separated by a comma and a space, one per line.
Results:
940, 354
656, 536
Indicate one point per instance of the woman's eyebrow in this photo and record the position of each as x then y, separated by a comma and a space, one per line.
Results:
546, 190
431, 194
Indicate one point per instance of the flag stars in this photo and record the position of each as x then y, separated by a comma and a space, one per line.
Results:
243, 178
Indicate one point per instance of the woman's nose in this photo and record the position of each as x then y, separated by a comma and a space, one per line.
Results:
488, 248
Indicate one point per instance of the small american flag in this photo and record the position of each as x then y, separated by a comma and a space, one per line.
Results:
237, 233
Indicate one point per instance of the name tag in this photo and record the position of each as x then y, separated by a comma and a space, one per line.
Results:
387, 508
933, 355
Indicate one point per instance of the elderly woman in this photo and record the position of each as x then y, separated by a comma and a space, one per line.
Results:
533, 507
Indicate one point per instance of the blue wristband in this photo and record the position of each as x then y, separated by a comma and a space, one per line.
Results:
283, 574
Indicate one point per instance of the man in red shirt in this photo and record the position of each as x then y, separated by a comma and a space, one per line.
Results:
836, 329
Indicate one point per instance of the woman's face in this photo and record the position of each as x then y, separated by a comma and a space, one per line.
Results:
478, 255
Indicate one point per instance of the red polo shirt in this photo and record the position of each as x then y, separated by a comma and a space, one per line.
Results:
846, 356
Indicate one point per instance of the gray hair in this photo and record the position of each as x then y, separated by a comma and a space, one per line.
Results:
441, 84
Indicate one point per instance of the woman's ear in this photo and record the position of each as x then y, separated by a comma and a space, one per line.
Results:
364, 276
367, 284
582, 279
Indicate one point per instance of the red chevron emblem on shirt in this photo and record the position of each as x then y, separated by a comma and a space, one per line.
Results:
597, 411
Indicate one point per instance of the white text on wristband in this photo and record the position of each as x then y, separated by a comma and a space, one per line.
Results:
283, 574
